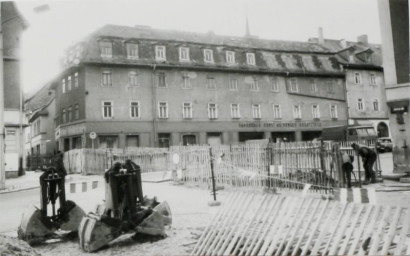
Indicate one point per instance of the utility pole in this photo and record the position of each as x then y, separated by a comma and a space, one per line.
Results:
2, 130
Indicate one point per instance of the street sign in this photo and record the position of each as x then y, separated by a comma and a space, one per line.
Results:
175, 158
93, 135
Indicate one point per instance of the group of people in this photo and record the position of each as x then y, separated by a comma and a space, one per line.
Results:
369, 157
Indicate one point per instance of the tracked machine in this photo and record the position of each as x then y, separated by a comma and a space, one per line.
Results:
125, 210
38, 225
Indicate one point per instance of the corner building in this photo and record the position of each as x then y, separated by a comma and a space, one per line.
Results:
140, 87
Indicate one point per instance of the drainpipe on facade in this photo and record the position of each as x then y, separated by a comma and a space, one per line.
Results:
2, 135
154, 108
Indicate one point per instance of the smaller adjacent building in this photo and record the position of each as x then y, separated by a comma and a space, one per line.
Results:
364, 78
40, 112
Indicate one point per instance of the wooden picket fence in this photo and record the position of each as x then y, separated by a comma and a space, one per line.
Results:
96, 161
272, 224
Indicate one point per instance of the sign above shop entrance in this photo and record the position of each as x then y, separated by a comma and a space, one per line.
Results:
279, 124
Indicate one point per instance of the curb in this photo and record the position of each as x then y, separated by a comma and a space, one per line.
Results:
71, 187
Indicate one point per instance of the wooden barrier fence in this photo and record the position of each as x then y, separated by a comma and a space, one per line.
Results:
269, 224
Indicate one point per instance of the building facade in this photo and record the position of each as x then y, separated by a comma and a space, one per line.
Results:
12, 28
138, 87
394, 25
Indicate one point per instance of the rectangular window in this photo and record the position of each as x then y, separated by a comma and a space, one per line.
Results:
69, 83
357, 78
133, 78
186, 82
160, 53
293, 85
134, 109
187, 110
70, 114
163, 109
373, 79
297, 112
333, 111
184, 54
161, 80
230, 57
107, 142
63, 85
330, 87
235, 112
376, 104
360, 104
107, 109
254, 85
212, 111
132, 141
210, 83
250, 58
256, 111
275, 85
63, 116
315, 111
106, 78
233, 84
313, 86
76, 112
132, 51
76, 80
106, 49
208, 56
277, 114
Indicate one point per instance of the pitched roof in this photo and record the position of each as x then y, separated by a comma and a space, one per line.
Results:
143, 32
336, 46
40, 99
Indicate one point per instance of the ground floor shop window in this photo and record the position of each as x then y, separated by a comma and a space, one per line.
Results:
310, 135
132, 141
77, 142
244, 136
188, 140
283, 136
163, 140
107, 142
214, 138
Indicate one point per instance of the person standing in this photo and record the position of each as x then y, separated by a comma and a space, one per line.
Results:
369, 156
347, 168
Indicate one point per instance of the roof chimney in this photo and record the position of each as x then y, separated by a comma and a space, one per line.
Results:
362, 39
321, 40
343, 43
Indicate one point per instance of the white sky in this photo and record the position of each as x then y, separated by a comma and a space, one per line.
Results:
51, 32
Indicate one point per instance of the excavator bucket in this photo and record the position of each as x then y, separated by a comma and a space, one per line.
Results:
94, 234
73, 218
32, 229
165, 211
155, 223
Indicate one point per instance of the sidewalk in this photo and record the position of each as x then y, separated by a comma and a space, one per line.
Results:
31, 180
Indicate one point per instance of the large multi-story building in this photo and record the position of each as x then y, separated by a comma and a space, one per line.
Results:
137, 86
394, 24
12, 27
365, 86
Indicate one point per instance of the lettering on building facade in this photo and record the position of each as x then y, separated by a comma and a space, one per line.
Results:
279, 124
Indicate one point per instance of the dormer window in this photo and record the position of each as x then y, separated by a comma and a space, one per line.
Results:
106, 49
208, 56
250, 58
230, 57
184, 54
160, 53
132, 50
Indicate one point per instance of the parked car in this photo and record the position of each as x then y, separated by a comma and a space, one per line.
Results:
384, 144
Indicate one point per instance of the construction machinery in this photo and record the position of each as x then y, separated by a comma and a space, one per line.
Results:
125, 210
37, 225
